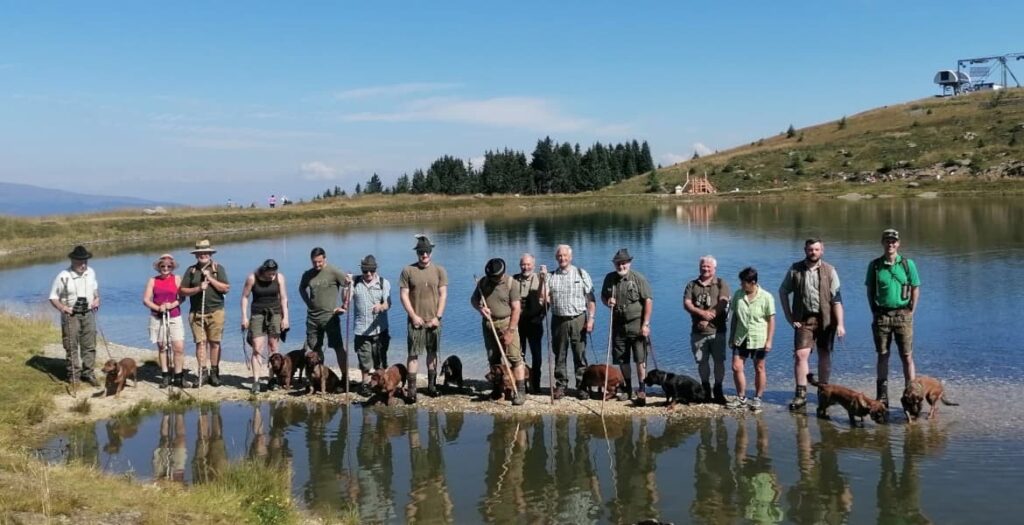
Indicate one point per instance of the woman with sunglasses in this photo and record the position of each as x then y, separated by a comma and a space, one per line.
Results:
267, 319
165, 323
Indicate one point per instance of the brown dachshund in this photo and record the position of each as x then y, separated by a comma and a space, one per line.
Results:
594, 380
388, 386
503, 383
321, 378
117, 373
281, 370
919, 390
856, 403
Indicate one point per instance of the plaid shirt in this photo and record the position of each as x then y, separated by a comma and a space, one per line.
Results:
570, 289
364, 297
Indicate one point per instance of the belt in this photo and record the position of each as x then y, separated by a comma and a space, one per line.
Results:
564, 317
893, 311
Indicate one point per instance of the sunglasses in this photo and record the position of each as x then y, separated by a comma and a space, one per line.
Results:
422, 252
165, 267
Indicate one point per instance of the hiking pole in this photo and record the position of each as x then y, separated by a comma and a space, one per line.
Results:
165, 324
608, 355
66, 318
348, 329
206, 344
551, 349
501, 347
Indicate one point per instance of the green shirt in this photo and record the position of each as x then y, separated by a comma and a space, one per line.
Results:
751, 318
889, 280
193, 277
499, 296
631, 293
424, 285
323, 287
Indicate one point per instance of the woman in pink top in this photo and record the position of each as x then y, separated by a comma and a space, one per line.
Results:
165, 323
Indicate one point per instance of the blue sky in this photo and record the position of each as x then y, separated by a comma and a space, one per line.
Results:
198, 102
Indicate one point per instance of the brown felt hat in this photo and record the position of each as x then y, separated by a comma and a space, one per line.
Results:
622, 256
203, 246
368, 264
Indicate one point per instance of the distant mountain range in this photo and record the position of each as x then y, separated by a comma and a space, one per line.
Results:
28, 200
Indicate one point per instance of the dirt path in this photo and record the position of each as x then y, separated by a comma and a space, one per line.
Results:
237, 380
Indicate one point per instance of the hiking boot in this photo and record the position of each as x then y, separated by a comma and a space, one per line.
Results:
882, 391
256, 388
91, 379
737, 402
559, 393
431, 391
755, 404
214, 376
520, 394
582, 394
165, 380
641, 398
411, 390
718, 396
706, 388
624, 395
534, 381
799, 398
179, 380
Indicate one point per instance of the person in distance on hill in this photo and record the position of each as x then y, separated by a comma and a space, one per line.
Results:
423, 288
75, 293
629, 296
706, 298
816, 315
571, 295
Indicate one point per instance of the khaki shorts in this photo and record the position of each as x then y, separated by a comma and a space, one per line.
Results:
812, 335
214, 323
262, 325
175, 327
513, 351
895, 324
422, 340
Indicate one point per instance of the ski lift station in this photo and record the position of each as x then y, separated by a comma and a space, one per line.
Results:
976, 74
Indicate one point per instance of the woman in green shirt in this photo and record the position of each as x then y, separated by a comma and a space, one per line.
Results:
751, 333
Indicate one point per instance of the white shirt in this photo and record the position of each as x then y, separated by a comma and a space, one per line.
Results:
69, 286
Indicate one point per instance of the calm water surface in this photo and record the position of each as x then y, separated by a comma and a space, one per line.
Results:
970, 254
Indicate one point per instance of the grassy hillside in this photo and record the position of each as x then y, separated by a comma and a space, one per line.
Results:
980, 134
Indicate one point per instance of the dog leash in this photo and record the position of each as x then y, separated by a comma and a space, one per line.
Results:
650, 346
106, 342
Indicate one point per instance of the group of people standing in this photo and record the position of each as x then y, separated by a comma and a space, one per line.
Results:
513, 311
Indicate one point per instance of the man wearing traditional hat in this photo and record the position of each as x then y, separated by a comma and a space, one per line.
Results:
497, 299
320, 288
371, 300
531, 318
424, 292
629, 296
571, 295
75, 293
893, 291
816, 315
205, 283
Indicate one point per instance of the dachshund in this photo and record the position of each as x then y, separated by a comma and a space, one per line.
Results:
452, 371
321, 378
919, 390
856, 403
678, 387
388, 385
594, 381
503, 383
117, 373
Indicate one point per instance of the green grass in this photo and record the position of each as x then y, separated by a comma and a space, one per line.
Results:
248, 492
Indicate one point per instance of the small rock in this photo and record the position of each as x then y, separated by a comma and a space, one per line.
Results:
913, 184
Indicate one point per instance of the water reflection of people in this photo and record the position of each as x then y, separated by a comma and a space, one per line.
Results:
757, 484
576, 483
714, 485
429, 499
329, 482
822, 494
538, 483
279, 455
899, 492
505, 499
170, 454
376, 470
211, 454
635, 484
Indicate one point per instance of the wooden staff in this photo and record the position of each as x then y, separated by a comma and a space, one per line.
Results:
501, 347
608, 355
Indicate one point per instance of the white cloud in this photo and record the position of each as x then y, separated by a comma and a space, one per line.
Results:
317, 170
511, 112
478, 162
669, 159
394, 90
701, 149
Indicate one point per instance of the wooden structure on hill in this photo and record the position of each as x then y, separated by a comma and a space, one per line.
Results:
699, 185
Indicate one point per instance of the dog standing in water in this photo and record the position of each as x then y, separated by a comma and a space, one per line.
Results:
921, 389
856, 403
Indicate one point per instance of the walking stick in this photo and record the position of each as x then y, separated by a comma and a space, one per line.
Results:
165, 325
66, 318
551, 357
501, 347
650, 346
206, 343
348, 329
608, 355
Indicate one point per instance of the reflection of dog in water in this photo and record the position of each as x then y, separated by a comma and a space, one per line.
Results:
594, 380
856, 403
451, 369
388, 385
919, 390
117, 373
678, 388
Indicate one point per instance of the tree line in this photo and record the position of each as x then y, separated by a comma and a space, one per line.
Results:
552, 168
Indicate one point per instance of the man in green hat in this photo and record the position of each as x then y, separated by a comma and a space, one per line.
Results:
75, 293
629, 295
423, 288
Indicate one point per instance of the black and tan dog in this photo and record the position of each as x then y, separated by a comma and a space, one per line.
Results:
593, 382
321, 378
678, 388
856, 403
451, 369
921, 389
388, 386
117, 373
503, 383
